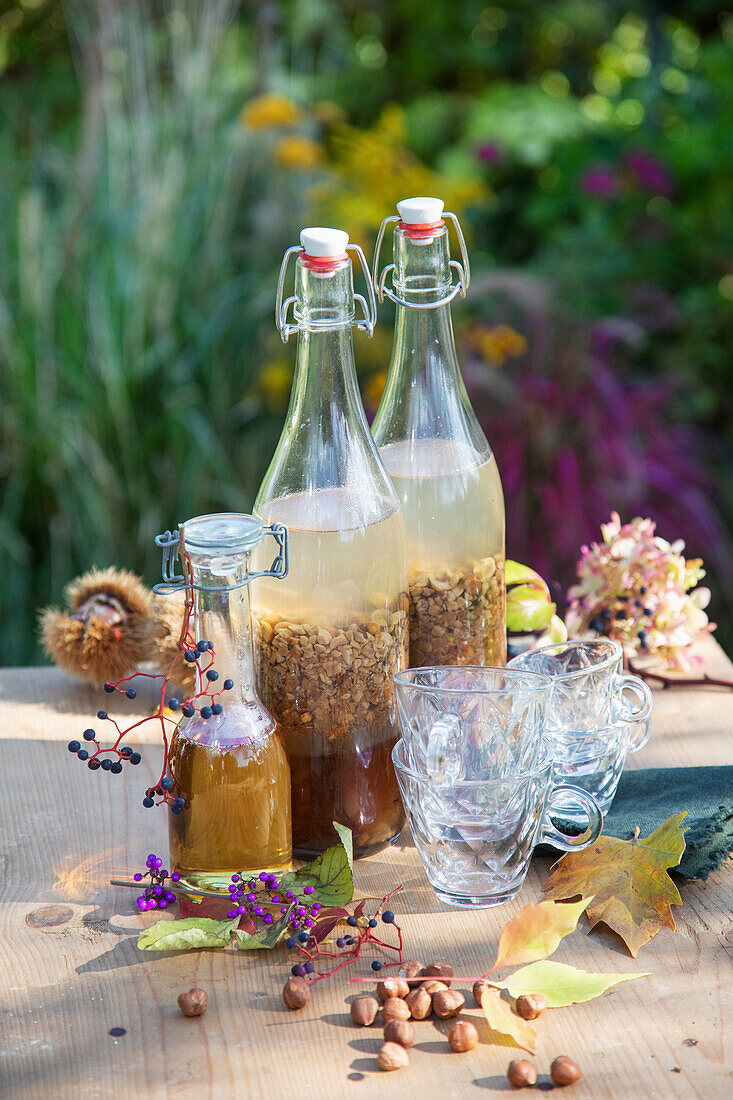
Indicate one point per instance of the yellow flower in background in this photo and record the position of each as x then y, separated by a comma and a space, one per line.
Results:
274, 383
373, 169
374, 389
498, 344
265, 111
298, 153
328, 113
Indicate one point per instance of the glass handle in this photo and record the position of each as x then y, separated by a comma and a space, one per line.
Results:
644, 707
462, 269
443, 758
564, 841
281, 565
285, 327
369, 320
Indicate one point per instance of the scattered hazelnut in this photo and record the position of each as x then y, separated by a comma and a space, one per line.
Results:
411, 969
530, 1005
296, 993
448, 1003
364, 1010
463, 1036
420, 1003
443, 971
521, 1073
434, 987
479, 987
392, 987
193, 1003
394, 1008
392, 1056
564, 1071
399, 1031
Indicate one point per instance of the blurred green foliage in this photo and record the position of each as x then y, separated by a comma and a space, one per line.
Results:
149, 191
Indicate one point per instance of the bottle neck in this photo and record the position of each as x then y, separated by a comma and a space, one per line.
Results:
221, 616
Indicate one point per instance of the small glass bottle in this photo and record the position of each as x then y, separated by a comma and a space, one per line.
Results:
432, 445
330, 638
230, 767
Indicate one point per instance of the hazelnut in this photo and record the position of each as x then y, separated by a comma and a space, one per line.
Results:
392, 987
448, 1003
296, 993
463, 1036
394, 1008
193, 1003
364, 1010
564, 1071
479, 987
443, 971
399, 1031
411, 969
420, 1003
434, 987
530, 1005
521, 1073
392, 1056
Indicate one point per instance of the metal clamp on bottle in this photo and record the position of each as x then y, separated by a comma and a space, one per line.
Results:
170, 543
418, 220
323, 251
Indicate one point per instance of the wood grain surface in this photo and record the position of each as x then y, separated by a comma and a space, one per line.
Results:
70, 971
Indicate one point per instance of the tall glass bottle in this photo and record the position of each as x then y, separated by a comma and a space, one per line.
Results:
229, 764
333, 634
432, 445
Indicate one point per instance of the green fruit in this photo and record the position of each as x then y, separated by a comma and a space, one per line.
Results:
529, 607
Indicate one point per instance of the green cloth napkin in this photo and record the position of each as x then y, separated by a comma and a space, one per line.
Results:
648, 797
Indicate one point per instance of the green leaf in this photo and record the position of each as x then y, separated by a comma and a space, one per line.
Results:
189, 934
329, 875
535, 932
561, 985
267, 938
347, 840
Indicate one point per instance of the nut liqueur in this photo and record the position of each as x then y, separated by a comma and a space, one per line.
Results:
330, 637
440, 462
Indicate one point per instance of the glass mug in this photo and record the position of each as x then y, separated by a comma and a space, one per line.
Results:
590, 720
475, 774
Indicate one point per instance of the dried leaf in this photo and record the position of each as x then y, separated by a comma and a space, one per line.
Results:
502, 1020
536, 931
561, 985
327, 921
191, 933
627, 881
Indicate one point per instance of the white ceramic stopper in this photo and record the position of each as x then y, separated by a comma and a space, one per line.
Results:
323, 243
420, 211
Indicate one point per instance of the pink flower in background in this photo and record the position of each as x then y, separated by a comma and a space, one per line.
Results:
491, 153
650, 174
600, 181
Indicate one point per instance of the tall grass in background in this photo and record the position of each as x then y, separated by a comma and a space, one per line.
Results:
129, 316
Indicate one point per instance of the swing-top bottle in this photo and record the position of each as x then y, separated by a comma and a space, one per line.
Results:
439, 459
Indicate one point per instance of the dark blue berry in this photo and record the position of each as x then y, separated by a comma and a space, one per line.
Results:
116, 768
309, 967
348, 940
102, 715
89, 735
74, 746
299, 971
643, 590
372, 923
228, 685
205, 712
212, 675
176, 809
340, 941
295, 970
203, 646
217, 708
135, 757
388, 916
189, 656
106, 765
173, 704
131, 693
638, 603
167, 783
596, 624
148, 802
83, 754
187, 709
109, 688
647, 611
606, 614
180, 801
352, 921
290, 942
376, 965
93, 764
304, 937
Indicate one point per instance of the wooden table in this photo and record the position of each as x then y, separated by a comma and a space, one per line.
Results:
67, 831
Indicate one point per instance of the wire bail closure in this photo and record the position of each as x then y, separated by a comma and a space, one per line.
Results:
171, 543
462, 269
287, 328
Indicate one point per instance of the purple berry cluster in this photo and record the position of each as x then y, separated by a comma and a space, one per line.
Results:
155, 895
263, 899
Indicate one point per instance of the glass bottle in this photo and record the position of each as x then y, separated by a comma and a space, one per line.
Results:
230, 767
330, 637
432, 445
